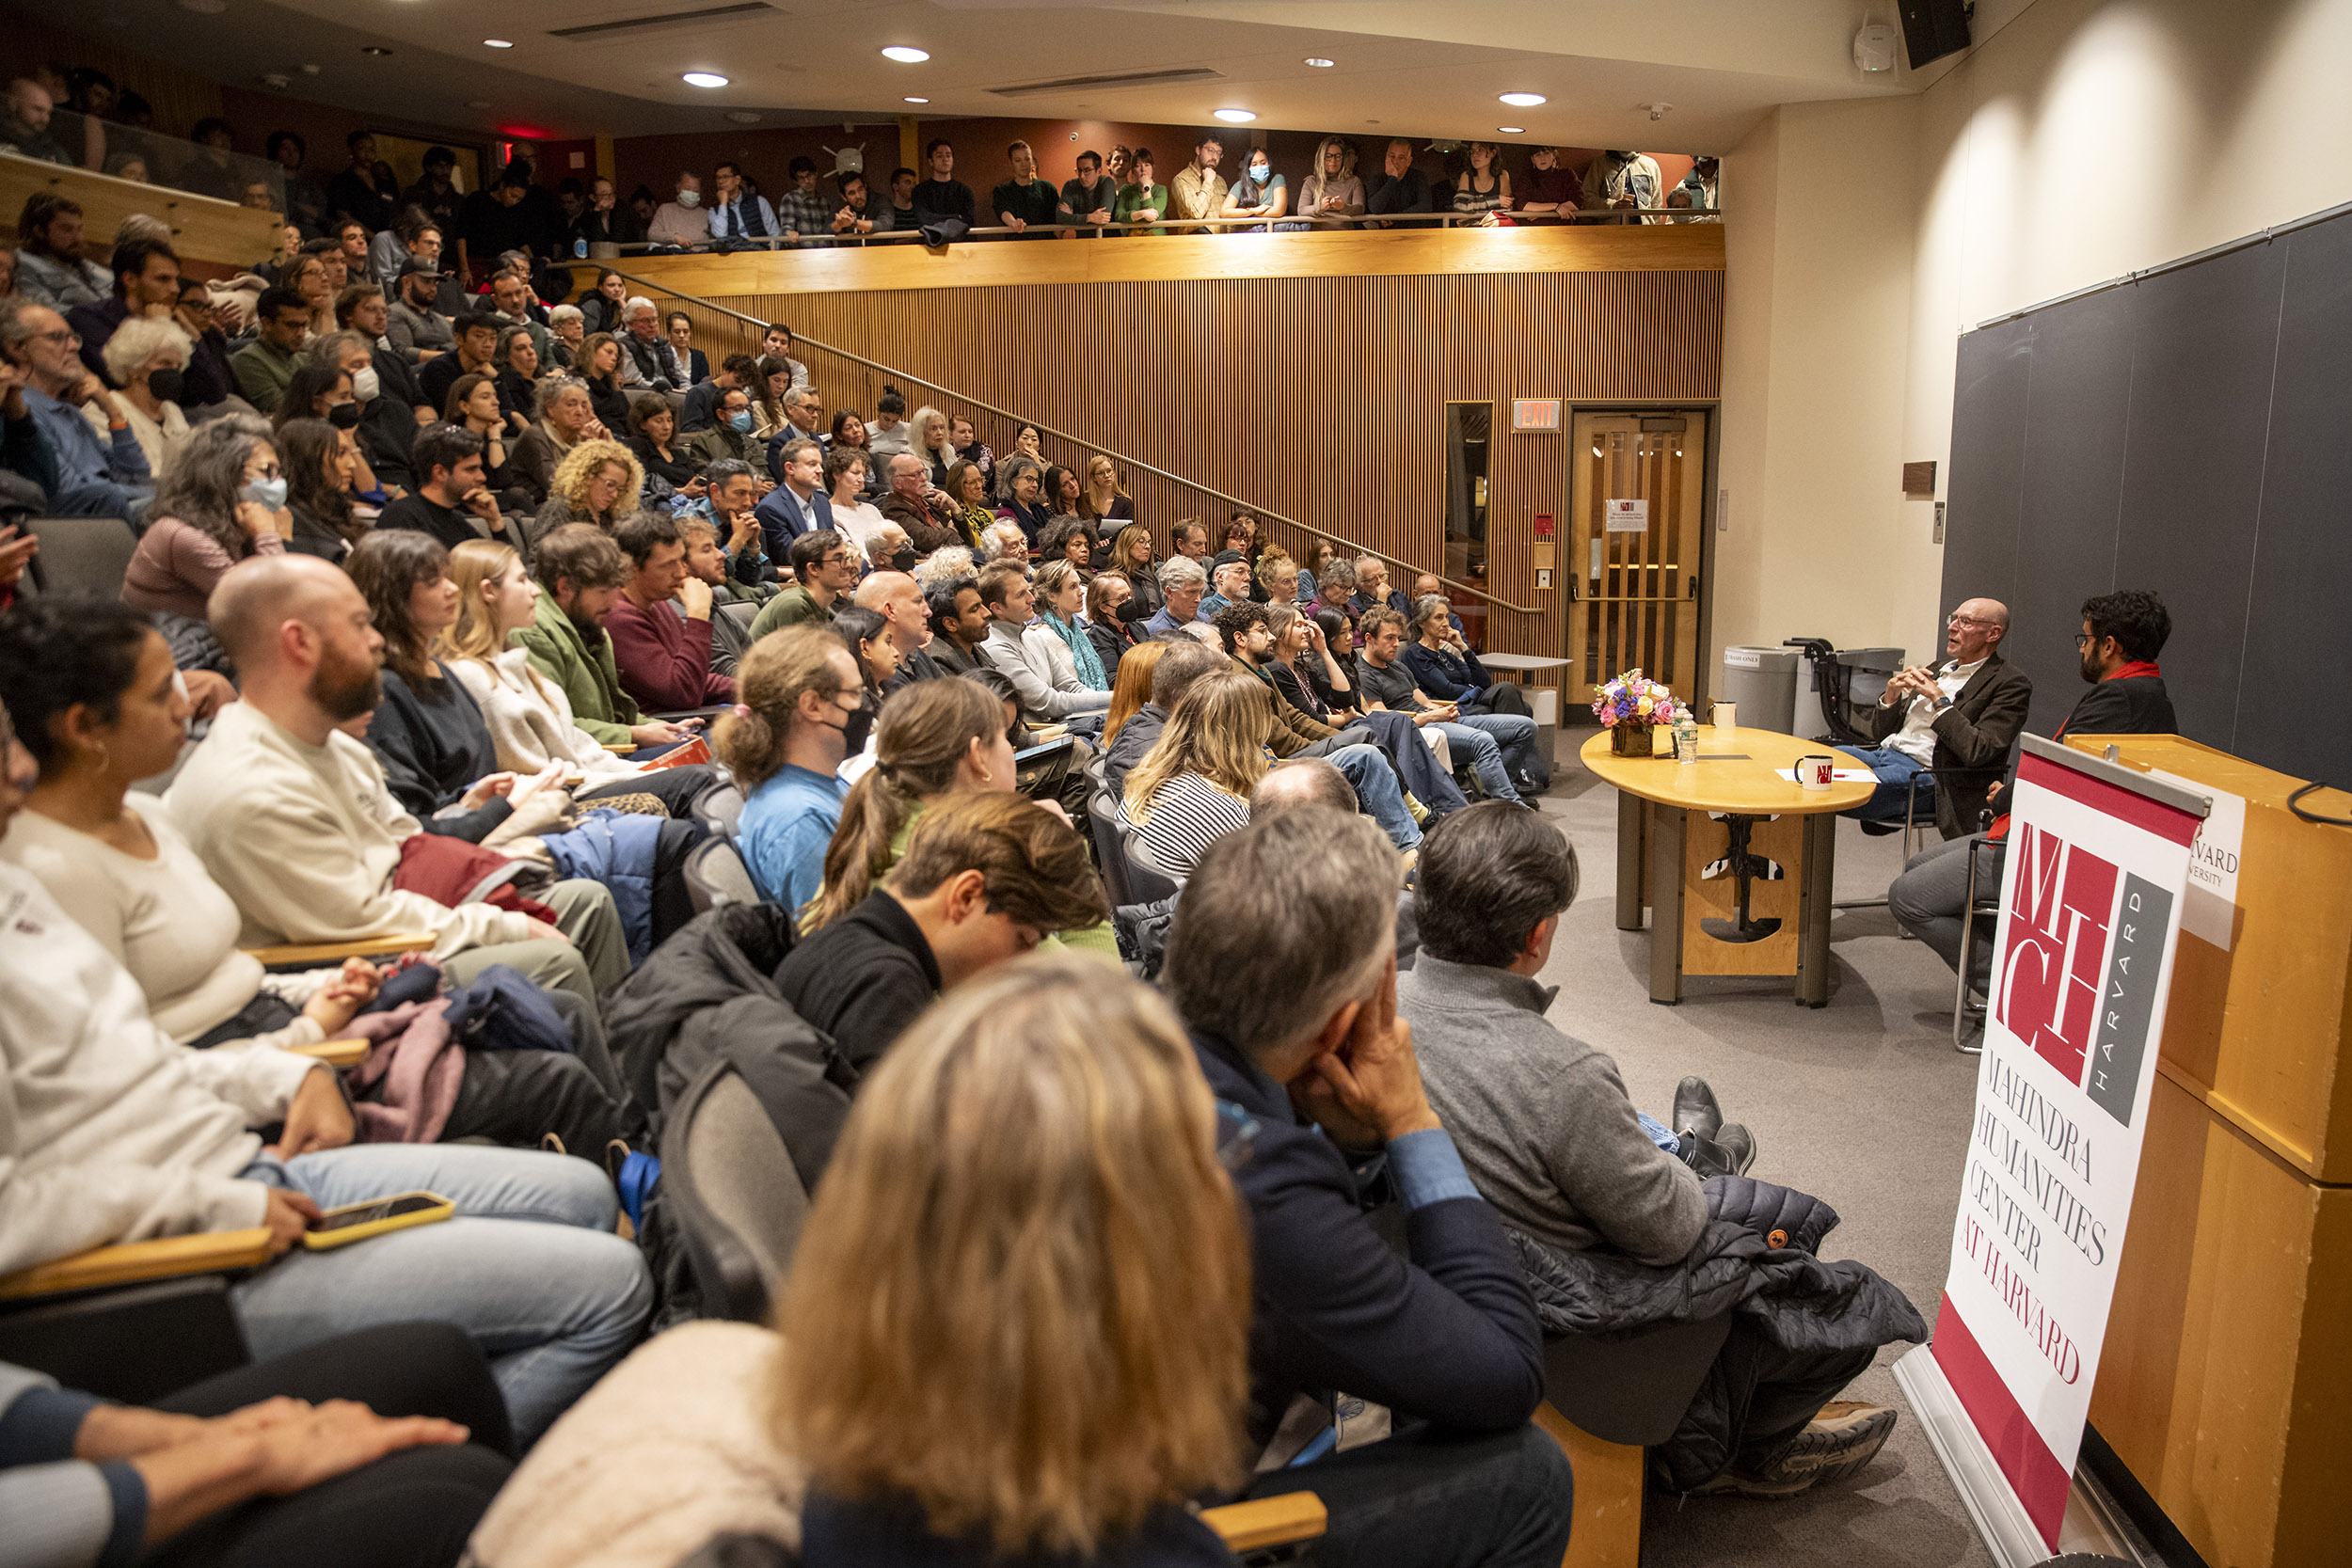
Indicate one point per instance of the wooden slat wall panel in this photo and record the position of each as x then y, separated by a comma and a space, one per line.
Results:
1319, 397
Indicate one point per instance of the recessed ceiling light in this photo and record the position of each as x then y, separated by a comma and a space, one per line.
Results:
1236, 116
906, 53
918, 100
376, 49
704, 79
742, 117
1512, 130
1523, 100
1319, 62
495, 43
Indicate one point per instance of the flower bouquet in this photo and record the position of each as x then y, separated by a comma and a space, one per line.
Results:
1629, 707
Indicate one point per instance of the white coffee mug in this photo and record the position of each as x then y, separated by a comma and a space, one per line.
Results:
1816, 772
1723, 715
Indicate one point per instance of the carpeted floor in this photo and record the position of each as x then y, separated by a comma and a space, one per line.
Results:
1863, 1104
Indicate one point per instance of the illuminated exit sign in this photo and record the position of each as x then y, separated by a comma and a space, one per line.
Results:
1535, 417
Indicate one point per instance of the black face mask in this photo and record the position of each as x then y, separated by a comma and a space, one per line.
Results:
903, 560
167, 384
344, 416
859, 725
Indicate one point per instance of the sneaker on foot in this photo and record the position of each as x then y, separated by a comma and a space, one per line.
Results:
1842, 1438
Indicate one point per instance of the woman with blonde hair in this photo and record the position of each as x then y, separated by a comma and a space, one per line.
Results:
932, 445
598, 482
1100, 499
1278, 577
1132, 688
1134, 553
1331, 192
1192, 787
988, 1353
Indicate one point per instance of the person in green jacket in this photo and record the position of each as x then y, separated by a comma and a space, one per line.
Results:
580, 571
1143, 201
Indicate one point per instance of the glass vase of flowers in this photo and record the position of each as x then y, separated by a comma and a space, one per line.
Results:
1629, 707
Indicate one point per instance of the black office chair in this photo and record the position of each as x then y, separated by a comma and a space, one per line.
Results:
1109, 851
1605, 1402
135, 1321
719, 808
738, 1197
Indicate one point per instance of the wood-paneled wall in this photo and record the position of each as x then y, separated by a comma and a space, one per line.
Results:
1320, 398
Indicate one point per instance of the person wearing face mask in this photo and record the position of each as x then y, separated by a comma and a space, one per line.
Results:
803, 711
147, 359
321, 389
226, 501
727, 438
1260, 193
682, 224
385, 436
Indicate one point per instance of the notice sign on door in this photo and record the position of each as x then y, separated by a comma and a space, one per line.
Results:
1627, 516
2091, 913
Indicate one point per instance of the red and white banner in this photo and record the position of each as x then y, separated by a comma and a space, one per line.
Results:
2090, 907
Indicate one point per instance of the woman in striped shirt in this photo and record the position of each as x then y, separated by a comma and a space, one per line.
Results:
1192, 787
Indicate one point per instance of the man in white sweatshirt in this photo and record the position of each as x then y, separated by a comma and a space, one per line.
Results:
110, 1132
294, 820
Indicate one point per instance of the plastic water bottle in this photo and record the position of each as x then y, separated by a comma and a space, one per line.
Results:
579, 250
1686, 737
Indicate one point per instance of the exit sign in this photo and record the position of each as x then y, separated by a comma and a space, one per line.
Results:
1535, 415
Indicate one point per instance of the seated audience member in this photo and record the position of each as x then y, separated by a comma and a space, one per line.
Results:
1282, 964
967, 487
770, 384
728, 437
941, 195
286, 1455
582, 573
146, 275
1548, 1135
984, 877
732, 491
1275, 581
648, 361
969, 448
679, 329
663, 658
824, 570
415, 328
1444, 665
50, 267
598, 482
888, 550
565, 419
530, 719
1302, 782
866, 635
1399, 187
516, 364
803, 710
546, 1288
1142, 203
735, 216
148, 360
1500, 747
1332, 193
653, 429
453, 500
1192, 787
888, 433
1131, 552
1107, 625
477, 338
1623, 181
1182, 585
382, 390
1069, 537
932, 522
803, 212
282, 319
600, 309
1051, 691
682, 223
1023, 481
598, 365
854, 517
319, 466
293, 817
90, 475
1961, 719
210, 383
960, 622
897, 598
569, 328
705, 562
226, 501
2122, 634
935, 1239
798, 505
1320, 553
1229, 583
1371, 590
1151, 681
101, 709
804, 414
702, 400
1058, 645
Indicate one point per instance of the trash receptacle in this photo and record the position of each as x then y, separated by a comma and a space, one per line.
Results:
1763, 683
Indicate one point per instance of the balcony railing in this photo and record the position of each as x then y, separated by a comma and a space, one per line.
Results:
1170, 225
151, 158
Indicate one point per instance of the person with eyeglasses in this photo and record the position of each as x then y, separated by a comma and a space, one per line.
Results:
94, 477
825, 569
1956, 722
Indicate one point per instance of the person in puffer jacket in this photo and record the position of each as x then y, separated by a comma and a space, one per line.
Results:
1615, 1232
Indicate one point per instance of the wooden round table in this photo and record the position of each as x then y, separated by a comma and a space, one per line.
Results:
1699, 845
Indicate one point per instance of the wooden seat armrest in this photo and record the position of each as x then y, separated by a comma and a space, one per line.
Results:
629, 749
1268, 1521
134, 1262
335, 1053
335, 952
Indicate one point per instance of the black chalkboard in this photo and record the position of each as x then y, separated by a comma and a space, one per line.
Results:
2188, 430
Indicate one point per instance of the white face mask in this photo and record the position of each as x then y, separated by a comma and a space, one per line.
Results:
690, 198
365, 383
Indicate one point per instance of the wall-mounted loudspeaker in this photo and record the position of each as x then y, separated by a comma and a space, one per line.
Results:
1934, 28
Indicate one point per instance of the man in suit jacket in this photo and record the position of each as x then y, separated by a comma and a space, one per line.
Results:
797, 505
1963, 716
1282, 963
2122, 633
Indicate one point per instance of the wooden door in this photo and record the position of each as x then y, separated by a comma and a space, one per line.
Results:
1635, 563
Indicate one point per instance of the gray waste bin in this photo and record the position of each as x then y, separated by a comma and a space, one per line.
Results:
1763, 682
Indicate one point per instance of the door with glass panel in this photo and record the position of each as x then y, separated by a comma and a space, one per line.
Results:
1635, 534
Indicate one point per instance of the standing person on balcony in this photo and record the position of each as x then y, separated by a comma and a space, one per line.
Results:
1622, 182
1198, 190
1090, 198
895, 206
1332, 193
1701, 191
942, 196
50, 267
1024, 200
735, 216
368, 190
1551, 189
804, 211
855, 208
1142, 203
437, 192
1401, 188
1485, 185
1260, 193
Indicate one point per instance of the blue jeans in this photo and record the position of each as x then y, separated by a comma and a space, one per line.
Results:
1377, 791
1895, 769
1431, 1499
530, 1268
1497, 745
1659, 1133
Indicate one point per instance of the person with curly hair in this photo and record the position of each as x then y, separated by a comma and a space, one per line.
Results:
226, 501
565, 418
597, 482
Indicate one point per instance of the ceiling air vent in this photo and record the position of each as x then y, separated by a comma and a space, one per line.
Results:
1124, 79
595, 32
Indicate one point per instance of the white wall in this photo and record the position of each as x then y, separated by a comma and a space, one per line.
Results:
2085, 139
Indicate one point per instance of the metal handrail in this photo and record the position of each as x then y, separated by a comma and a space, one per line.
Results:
1407, 220
799, 339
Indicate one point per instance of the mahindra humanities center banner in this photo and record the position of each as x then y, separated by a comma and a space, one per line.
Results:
2091, 907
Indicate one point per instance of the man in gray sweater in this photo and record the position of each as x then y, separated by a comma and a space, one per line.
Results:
1543, 1121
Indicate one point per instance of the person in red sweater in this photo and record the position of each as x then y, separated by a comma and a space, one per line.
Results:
660, 625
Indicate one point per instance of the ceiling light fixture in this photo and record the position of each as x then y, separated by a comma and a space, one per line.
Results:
704, 79
1512, 130
495, 43
1236, 116
1523, 100
376, 49
918, 100
1319, 62
906, 53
